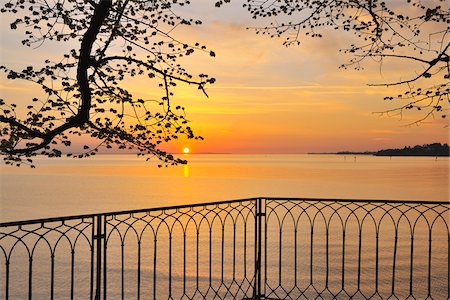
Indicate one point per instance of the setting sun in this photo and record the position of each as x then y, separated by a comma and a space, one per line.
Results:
186, 150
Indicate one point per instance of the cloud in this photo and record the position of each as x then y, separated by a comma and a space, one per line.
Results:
382, 139
383, 131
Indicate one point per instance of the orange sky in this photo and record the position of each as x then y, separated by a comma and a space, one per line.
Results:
268, 98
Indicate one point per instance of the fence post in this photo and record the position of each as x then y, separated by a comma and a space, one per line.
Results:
259, 222
99, 235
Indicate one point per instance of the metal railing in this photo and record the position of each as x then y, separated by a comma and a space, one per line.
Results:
259, 248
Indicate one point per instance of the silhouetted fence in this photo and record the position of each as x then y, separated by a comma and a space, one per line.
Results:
260, 248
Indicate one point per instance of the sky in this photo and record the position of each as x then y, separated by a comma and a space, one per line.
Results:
268, 98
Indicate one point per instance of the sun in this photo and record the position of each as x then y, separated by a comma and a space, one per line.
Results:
186, 150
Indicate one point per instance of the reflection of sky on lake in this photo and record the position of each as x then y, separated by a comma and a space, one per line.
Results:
111, 183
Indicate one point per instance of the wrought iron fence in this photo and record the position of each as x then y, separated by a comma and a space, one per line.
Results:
259, 248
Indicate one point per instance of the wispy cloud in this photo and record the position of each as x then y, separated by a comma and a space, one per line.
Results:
255, 87
382, 139
383, 131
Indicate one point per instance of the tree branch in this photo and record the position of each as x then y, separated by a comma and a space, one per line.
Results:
431, 63
84, 63
151, 67
13, 122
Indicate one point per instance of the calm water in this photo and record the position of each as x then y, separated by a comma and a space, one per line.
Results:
120, 182
216, 252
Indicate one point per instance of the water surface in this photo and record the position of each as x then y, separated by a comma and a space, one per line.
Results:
103, 183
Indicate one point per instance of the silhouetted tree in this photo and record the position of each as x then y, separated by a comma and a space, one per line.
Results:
413, 32
84, 91
131, 38
435, 149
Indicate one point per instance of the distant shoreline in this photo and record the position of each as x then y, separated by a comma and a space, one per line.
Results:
376, 154
430, 150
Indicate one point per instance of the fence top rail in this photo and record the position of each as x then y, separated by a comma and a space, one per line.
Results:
87, 216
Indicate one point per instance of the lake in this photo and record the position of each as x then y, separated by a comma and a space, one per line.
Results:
104, 183
209, 249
